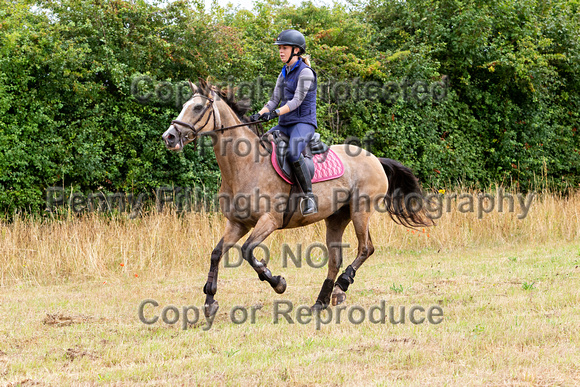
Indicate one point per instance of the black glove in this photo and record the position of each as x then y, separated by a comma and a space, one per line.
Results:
269, 116
255, 117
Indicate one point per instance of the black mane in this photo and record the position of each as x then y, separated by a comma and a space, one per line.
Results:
240, 107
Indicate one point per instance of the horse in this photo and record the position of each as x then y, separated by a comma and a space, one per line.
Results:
247, 173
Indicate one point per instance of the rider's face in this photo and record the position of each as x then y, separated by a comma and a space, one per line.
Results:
285, 52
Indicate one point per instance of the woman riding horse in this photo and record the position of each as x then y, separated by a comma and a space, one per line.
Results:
295, 93
366, 183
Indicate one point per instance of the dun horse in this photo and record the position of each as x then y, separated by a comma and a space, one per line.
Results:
247, 172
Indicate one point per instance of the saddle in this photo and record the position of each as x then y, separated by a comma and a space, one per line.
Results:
322, 163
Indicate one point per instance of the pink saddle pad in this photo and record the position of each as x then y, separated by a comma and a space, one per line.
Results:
327, 166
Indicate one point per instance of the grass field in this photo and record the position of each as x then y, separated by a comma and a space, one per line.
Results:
508, 288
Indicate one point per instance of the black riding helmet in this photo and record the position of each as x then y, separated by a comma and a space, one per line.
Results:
292, 38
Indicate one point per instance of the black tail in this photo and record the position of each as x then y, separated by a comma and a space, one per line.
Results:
404, 199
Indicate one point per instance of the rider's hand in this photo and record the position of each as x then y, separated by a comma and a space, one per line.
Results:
255, 117
269, 115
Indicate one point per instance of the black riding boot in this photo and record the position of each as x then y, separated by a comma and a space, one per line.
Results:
303, 178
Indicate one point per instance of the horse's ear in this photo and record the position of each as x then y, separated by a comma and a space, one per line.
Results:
204, 87
192, 86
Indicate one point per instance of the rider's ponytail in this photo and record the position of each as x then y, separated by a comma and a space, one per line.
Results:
306, 59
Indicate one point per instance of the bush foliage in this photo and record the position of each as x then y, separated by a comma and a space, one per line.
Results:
69, 118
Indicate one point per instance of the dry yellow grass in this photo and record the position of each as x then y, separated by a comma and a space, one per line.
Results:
93, 246
508, 287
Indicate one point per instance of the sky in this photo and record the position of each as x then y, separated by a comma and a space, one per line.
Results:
247, 4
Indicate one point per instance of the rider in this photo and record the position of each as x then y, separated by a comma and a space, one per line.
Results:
295, 93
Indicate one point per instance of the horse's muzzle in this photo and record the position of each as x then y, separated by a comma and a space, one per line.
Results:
172, 142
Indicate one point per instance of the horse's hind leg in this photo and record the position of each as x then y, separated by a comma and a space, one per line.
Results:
365, 249
265, 226
335, 225
233, 233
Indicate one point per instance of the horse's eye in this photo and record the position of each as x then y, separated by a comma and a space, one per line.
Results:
197, 108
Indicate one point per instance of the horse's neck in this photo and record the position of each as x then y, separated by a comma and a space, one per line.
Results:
236, 150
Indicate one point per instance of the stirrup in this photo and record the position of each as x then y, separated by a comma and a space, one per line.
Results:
309, 206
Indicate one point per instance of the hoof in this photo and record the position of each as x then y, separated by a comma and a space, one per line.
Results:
210, 309
338, 296
281, 286
318, 306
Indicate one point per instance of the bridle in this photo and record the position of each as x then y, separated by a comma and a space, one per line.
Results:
217, 127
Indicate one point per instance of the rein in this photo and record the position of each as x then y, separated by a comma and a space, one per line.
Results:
212, 113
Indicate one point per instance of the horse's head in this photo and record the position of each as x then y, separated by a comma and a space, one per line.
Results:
197, 116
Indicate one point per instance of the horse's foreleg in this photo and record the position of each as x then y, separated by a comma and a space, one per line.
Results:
365, 250
265, 226
233, 233
335, 225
